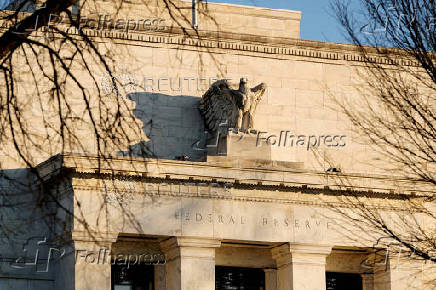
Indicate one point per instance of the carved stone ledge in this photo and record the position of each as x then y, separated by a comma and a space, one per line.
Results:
273, 46
304, 180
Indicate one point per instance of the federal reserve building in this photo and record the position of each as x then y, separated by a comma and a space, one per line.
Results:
194, 145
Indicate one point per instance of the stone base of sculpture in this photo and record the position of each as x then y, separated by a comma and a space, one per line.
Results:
238, 145
240, 149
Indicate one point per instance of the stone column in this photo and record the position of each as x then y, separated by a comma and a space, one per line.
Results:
190, 263
92, 266
159, 277
270, 279
367, 281
301, 266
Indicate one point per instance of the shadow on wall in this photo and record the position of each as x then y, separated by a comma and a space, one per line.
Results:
173, 124
26, 225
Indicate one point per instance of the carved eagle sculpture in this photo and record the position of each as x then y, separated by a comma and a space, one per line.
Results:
224, 107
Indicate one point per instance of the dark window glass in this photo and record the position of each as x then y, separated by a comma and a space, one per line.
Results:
136, 277
343, 281
233, 278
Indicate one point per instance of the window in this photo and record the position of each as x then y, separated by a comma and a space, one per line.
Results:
233, 278
343, 281
136, 277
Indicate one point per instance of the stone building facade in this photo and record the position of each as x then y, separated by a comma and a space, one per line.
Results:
261, 209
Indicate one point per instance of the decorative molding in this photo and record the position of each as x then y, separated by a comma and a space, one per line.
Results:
298, 199
279, 184
243, 174
225, 41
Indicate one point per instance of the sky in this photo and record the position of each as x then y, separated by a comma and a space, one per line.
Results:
3, 3
317, 21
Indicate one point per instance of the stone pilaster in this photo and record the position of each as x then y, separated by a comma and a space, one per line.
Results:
301, 266
270, 279
190, 263
159, 277
367, 281
92, 265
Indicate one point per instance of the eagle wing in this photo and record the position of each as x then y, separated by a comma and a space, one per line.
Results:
219, 105
259, 90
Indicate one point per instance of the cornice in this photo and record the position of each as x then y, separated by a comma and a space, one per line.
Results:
238, 174
297, 199
219, 41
